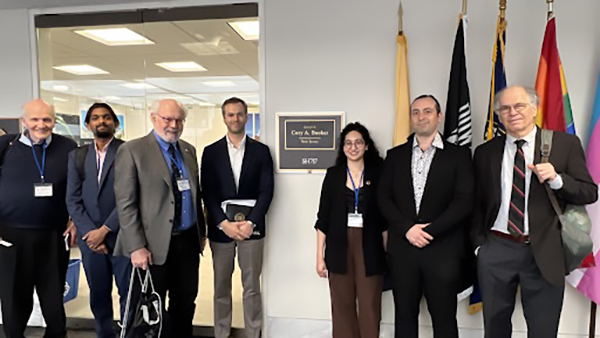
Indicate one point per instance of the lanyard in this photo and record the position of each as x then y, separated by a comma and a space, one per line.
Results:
42, 167
356, 190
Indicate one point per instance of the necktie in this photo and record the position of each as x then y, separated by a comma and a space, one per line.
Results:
175, 174
516, 214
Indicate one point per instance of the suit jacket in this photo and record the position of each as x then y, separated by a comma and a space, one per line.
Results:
218, 184
447, 201
92, 204
144, 195
568, 159
332, 220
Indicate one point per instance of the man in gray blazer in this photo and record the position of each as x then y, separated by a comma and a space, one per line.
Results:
159, 205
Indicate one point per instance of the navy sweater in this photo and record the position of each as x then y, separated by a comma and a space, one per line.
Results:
18, 205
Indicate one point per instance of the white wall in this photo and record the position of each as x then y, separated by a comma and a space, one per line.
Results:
340, 55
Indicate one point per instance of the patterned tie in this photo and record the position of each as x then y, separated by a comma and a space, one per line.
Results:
176, 193
516, 215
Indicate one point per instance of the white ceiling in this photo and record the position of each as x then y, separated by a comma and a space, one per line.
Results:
15, 4
210, 43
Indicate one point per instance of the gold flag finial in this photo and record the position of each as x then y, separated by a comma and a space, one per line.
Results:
502, 8
400, 14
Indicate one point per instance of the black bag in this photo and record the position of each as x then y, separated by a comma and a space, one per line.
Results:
146, 319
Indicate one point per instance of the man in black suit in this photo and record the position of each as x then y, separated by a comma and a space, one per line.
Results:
515, 232
239, 170
426, 195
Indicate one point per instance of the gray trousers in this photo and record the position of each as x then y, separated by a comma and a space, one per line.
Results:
250, 259
504, 265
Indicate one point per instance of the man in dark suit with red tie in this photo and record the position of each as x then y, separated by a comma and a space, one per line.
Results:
516, 233
426, 196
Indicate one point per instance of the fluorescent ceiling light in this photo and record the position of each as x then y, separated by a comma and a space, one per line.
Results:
81, 70
185, 66
115, 36
138, 85
219, 84
247, 29
60, 99
210, 48
60, 88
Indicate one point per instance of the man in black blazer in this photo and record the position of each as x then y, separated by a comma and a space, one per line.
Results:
237, 168
426, 195
516, 233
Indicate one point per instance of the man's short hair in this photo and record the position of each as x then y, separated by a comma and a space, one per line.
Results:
97, 105
429, 96
156, 105
234, 100
534, 98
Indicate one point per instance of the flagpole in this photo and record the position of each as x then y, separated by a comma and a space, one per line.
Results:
400, 15
592, 320
550, 8
464, 8
502, 9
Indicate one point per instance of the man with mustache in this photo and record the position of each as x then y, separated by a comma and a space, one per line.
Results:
516, 232
160, 211
33, 222
237, 168
91, 203
426, 195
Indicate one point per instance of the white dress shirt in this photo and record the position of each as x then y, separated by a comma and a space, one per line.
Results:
100, 157
421, 162
508, 161
236, 158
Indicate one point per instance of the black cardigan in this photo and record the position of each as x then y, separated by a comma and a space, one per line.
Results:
332, 220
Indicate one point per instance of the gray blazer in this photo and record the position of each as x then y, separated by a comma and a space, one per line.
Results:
145, 200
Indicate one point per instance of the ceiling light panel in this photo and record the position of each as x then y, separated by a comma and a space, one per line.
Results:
115, 36
185, 66
247, 29
81, 70
138, 85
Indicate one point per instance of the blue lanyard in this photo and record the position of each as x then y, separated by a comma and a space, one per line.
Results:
42, 167
356, 190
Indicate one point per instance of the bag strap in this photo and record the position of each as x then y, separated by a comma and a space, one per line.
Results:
80, 154
546, 149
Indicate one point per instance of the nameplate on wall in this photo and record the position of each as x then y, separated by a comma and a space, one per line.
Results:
308, 142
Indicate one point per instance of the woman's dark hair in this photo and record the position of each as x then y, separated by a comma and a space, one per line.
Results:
97, 105
371, 152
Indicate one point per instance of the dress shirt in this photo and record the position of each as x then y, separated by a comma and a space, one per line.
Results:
421, 162
100, 157
236, 158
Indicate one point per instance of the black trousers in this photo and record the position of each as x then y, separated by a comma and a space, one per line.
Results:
503, 266
178, 278
38, 258
417, 273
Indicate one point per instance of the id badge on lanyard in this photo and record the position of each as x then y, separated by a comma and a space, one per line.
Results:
42, 189
355, 220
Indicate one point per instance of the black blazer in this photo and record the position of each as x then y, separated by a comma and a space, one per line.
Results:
568, 159
332, 220
218, 185
447, 200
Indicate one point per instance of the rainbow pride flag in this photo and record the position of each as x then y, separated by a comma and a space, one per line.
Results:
555, 106
587, 280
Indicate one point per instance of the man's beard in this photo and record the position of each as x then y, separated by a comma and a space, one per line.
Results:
104, 134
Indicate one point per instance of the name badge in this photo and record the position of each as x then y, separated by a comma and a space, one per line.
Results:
355, 220
183, 184
42, 190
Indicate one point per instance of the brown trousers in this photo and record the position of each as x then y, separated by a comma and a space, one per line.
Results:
347, 288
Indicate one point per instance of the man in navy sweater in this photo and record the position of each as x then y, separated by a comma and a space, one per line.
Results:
34, 236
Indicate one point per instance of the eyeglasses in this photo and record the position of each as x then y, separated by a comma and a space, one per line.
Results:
518, 107
168, 120
358, 143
